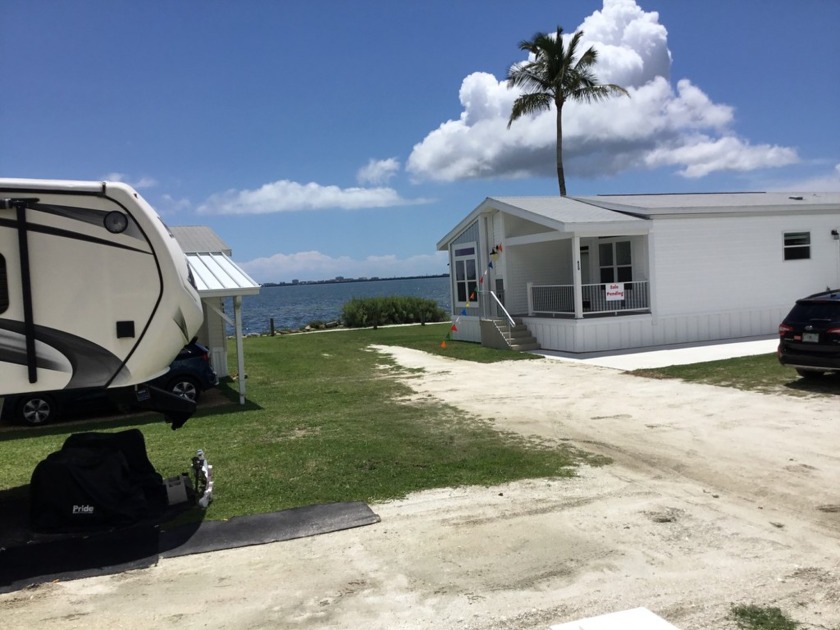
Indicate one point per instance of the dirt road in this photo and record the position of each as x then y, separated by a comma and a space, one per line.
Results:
716, 497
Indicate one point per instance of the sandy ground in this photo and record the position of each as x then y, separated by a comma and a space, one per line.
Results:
715, 497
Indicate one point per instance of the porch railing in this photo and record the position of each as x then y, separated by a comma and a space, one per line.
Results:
559, 299
501, 307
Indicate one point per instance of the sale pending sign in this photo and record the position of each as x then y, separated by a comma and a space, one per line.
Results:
615, 290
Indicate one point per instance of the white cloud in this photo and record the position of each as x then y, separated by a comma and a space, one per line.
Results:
314, 265
288, 196
701, 155
632, 45
659, 125
825, 182
168, 205
377, 172
139, 184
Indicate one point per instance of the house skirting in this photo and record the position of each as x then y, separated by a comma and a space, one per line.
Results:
468, 328
603, 334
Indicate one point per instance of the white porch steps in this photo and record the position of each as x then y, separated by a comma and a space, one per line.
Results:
518, 337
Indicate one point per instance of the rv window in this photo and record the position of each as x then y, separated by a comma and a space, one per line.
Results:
4, 285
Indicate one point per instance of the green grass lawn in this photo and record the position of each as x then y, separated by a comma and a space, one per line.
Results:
323, 422
762, 373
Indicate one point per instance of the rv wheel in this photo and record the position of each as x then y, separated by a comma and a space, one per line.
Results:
37, 409
185, 387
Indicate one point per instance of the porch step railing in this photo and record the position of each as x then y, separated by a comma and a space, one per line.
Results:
618, 298
517, 336
501, 307
504, 331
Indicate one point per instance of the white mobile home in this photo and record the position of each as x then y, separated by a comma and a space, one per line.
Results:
587, 274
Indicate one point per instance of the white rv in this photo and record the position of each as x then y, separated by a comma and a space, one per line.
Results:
94, 290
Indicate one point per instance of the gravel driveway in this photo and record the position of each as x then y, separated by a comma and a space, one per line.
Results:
716, 497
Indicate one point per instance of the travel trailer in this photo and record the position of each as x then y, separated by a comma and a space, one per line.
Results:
94, 290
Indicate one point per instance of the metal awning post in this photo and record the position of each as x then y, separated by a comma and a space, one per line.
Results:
240, 351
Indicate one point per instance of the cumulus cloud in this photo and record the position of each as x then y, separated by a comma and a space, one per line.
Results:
659, 125
138, 184
288, 196
632, 45
168, 205
700, 155
826, 182
315, 265
377, 172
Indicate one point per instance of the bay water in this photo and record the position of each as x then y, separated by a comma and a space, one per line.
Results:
293, 306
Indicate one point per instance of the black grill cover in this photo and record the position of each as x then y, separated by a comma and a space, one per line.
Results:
96, 480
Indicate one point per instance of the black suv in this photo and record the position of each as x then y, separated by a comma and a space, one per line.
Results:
809, 337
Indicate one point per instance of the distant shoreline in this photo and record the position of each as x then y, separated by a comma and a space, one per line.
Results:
349, 280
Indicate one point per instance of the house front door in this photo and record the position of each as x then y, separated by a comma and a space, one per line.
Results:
499, 290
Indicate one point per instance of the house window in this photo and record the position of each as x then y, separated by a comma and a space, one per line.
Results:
466, 273
797, 245
614, 260
4, 285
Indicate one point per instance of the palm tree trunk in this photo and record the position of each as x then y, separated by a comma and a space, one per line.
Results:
561, 176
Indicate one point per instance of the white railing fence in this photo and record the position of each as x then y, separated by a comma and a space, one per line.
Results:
559, 299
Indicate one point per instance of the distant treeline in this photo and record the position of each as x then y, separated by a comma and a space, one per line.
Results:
345, 280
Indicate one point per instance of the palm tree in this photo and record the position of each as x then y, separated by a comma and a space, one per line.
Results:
553, 75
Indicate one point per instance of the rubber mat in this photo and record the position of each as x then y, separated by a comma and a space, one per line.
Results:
71, 557
258, 529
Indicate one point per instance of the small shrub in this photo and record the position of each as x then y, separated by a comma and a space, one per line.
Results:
384, 311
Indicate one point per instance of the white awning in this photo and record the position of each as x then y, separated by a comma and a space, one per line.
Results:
216, 275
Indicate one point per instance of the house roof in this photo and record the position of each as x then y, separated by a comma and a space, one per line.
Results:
634, 212
652, 206
215, 274
563, 214
198, 239
565, 210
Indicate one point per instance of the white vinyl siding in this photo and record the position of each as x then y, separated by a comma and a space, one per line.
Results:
730, 264
538, 263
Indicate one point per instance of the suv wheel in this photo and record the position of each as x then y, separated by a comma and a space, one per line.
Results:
185, 387
809, 374
37, 410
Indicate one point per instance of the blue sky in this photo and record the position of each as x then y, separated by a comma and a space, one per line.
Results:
325, 137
